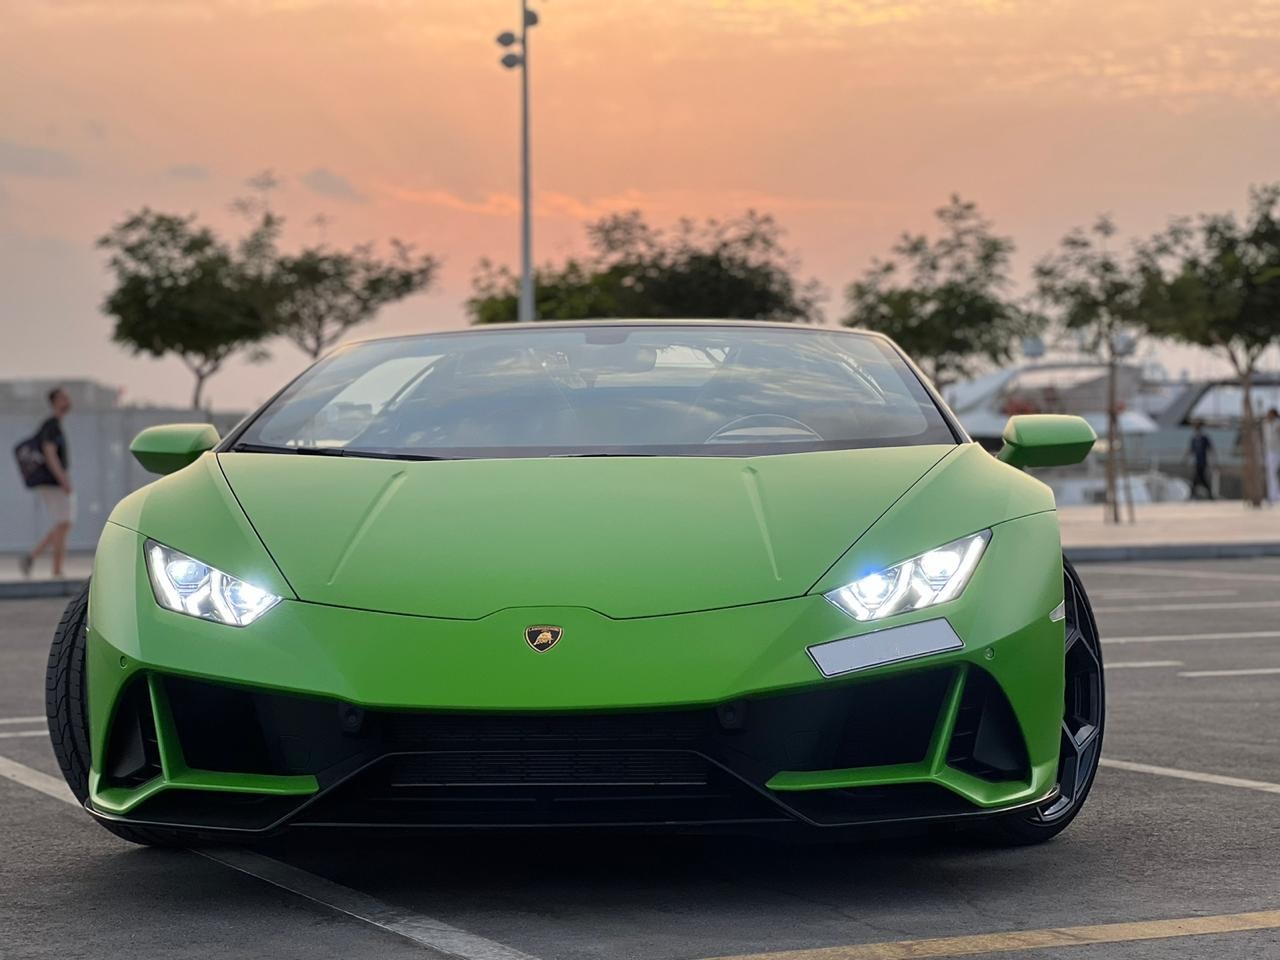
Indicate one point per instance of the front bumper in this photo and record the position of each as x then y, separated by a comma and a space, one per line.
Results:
330, 716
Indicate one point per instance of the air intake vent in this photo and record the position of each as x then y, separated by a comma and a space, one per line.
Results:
133, 754
986, 741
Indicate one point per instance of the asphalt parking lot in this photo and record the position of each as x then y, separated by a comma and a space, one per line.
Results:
1176, 855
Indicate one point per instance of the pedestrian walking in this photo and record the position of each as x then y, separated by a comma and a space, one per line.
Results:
49, 475
1271, 453
1200, 451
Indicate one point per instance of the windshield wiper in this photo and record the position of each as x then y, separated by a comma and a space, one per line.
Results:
260, 448
332, 452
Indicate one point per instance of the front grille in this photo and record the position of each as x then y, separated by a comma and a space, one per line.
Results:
515, 768
445, 731
685, 766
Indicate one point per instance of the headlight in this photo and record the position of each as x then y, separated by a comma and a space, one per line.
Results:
185, 585
933, 577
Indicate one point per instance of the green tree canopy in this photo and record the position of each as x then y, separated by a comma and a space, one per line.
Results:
1214, 281
945, 300
324, 293
182, 291
1093, 290
737, 268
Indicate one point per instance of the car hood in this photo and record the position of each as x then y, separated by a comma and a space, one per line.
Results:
627, 537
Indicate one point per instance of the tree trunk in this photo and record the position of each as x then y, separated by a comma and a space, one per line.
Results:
1251, 469
199, 390
1113, 434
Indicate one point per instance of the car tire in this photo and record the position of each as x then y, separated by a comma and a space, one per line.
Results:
65, 705
1084, 715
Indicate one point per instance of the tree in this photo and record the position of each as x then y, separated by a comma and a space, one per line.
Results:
1214, 281
1098, 294
944, 300
324, 293
180, 290
737, 269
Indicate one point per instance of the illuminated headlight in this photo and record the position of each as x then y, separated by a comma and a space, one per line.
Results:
185, 585
934, 577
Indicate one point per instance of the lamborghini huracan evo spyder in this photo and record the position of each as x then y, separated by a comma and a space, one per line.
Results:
641, 574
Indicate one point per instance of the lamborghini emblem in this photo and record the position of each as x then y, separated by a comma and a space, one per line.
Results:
543, 638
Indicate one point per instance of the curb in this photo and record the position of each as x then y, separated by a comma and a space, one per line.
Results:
1171, 551
34, 589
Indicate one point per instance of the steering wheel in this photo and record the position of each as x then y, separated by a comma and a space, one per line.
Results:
764, 420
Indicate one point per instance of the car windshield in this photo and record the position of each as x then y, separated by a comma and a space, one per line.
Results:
603, 390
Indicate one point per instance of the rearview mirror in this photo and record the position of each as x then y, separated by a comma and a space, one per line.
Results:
173, 446
1046, 440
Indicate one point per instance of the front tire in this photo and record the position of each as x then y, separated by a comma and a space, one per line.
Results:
66, 707
1084, 714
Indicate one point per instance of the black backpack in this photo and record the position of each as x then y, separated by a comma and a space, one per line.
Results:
31, 463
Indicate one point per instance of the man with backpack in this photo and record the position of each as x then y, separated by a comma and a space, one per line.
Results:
44, 463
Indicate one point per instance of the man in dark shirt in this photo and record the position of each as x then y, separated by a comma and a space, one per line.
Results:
1200, 450
55, 487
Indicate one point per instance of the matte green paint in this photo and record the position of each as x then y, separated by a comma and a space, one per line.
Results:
195, 511
391, 660
628, 537
173, 446
1046, 440
967, 491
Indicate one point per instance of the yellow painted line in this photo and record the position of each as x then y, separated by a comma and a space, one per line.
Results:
1033, 939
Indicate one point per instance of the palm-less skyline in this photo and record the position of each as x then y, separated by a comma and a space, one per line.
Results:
849, 121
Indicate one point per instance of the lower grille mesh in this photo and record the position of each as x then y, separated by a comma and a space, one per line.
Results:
447, 731
550, 768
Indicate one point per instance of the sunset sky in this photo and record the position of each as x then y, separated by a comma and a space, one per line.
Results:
850, 120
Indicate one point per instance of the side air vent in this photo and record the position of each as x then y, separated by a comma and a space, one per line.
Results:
986, 741
133, 755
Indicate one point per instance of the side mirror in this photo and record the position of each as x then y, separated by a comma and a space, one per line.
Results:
172, 446
1046, 440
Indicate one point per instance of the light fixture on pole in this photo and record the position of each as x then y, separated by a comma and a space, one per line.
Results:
512, 60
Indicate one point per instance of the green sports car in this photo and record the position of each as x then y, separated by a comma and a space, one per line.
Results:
620, 574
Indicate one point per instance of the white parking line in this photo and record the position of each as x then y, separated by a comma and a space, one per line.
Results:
8, 721
1191, 775
1164, 607
15, 734
49, 786
359, 906
1157, 594
1141, 664
1176, 637
1256, 672
1195, 571
423, 930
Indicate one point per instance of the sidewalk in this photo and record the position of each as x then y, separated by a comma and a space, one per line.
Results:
1190, 530
1163, 531
41, 582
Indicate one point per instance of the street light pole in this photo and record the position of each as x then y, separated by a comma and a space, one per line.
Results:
526, 226
528, 18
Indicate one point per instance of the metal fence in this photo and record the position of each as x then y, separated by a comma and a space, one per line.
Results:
102, 470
